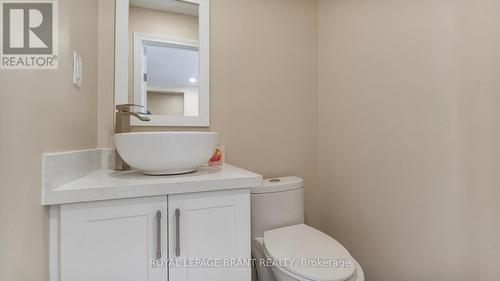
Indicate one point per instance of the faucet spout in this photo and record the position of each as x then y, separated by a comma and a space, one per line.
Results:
122, 125
138, 116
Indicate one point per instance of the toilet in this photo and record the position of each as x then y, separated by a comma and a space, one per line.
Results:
284, 248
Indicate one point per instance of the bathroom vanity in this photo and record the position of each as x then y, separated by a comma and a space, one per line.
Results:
109, 225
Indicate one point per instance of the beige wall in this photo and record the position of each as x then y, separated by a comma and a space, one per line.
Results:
106, 73
263, 93
42, 111
409, 135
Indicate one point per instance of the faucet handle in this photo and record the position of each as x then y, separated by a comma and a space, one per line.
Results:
126, 107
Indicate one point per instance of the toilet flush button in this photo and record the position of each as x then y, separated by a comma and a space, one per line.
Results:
274, 180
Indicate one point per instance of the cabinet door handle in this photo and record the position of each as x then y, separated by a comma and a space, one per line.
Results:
177, 233
158, 234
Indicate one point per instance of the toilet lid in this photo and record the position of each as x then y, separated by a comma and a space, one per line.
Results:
309, 253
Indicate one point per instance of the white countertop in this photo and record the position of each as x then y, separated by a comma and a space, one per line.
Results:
106, 184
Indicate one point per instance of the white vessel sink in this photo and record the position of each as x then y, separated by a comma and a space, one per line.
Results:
166, 153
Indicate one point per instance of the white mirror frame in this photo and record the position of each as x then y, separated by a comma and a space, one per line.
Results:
121, 69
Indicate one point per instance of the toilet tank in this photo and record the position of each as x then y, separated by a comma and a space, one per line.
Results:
278, 202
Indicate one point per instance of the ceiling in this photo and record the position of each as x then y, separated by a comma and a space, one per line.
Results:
173, 6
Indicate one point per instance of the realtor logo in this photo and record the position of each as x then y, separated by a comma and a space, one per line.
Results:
29, 34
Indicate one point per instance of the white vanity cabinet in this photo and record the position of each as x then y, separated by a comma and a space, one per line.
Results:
108, 225
119, 239
212, 228
113, 240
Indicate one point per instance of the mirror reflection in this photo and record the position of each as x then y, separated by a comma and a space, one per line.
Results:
164, 57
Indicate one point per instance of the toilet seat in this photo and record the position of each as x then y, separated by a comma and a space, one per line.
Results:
308, 253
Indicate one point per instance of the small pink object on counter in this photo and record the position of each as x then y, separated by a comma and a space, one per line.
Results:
218, 157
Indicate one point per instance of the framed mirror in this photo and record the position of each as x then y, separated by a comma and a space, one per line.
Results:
162, 60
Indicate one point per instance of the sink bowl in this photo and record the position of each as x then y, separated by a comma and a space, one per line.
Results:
166, 153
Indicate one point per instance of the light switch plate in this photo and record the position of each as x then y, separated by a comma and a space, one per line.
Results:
77, 69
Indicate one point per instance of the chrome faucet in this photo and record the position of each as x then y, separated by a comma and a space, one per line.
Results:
122, 125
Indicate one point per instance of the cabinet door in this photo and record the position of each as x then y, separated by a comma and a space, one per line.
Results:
113, 240
209, 227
